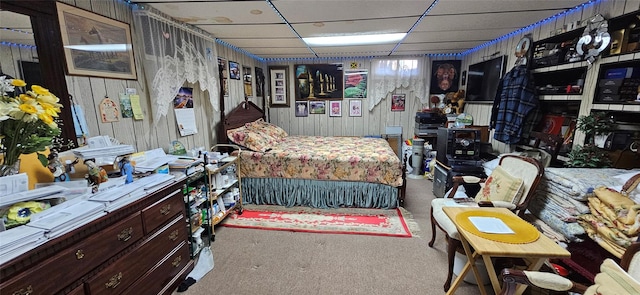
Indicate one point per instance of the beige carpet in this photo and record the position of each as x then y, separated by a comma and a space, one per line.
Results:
249, 261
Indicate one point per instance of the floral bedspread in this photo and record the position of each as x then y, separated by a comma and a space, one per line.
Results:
325, 158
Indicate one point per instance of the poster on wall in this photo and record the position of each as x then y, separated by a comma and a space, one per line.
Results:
318, 81
259, 82
397, 102
355, 83
247, 80
335, 108
224, 73
317, 107
355, 108
109, 111
185, 115
234, 70
445, 76
302, 108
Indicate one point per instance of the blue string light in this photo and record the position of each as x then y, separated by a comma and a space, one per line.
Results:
457, 55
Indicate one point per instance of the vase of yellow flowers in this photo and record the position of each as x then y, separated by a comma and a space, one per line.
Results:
27, 122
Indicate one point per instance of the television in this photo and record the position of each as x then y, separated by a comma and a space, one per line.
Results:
483, 79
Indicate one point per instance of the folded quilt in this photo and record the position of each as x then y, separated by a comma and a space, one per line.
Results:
578, 183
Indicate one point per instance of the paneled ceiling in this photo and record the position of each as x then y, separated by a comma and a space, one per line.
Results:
272, 28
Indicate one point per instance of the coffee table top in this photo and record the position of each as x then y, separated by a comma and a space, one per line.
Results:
542, 247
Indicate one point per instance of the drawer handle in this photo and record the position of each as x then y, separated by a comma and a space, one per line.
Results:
174, 235
28, 291
125, 234
114, 281
176, 261
79, 254
165, 209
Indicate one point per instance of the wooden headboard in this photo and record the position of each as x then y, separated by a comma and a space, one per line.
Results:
246, 112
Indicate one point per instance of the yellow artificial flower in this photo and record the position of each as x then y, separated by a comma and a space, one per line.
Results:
39, 90
50, 109
47, 119
25, 98
18, 83
50, 98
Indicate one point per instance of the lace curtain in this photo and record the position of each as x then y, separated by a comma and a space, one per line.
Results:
406, 74
173, 53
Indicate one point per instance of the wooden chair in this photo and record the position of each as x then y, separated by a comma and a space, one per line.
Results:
529, 169
630, 263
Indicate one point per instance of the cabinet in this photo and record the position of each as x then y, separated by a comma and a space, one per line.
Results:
618, 83
225, 195
141, 246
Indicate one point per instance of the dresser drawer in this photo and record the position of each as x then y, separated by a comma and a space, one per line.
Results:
156, 279
125, 271
77, 291
61, 270
162, 211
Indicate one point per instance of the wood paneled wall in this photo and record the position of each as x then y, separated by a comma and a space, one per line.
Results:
89, 91
371, 123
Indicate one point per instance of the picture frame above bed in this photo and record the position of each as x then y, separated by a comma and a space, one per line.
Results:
279, 86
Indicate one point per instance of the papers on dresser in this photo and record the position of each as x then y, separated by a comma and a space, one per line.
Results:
120, 196
150, 160
34, 194
19, 240
490, 225
104, 155
64, 219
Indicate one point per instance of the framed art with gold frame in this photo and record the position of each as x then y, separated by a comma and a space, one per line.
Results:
279, 88
95, 45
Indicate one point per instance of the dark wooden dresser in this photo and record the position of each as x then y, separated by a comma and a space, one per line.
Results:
138, 249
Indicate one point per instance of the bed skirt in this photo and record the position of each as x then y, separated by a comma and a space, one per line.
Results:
318, 193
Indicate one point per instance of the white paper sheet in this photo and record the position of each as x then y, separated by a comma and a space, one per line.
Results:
491, 225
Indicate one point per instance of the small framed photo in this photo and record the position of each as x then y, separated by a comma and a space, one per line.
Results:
335, 108
397, 102
234, 70
302, 108
317, 107
355, 108
279, 91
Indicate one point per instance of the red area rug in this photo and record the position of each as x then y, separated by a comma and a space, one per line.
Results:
358, 221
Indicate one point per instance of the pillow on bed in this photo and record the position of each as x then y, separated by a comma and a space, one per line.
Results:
501, 186
267, 128
252, 139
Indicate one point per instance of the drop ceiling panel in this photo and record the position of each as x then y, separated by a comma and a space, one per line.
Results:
395, 25
438, 45
230, 12
487, 21
451, 36
252, 43
459, 7
249, 31
354, 49
327, 11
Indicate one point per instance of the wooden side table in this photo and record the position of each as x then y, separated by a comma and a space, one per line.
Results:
535, 253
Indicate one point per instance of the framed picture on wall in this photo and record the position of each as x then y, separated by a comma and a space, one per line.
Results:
355, 83
445, 76
234, 70
335, 108
302, 108
259, 82
355, 108
247, 81
318, 81
224, 73
317, 107
83, 32
397, 102
279, 89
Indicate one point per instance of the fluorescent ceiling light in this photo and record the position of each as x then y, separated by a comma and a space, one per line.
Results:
101, 47
354, 39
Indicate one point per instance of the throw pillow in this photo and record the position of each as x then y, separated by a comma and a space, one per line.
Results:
501, 186
267, 128
254, 140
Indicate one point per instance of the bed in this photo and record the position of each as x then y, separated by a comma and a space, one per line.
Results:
312, 171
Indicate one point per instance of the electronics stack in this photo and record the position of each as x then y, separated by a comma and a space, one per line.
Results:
458, 153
